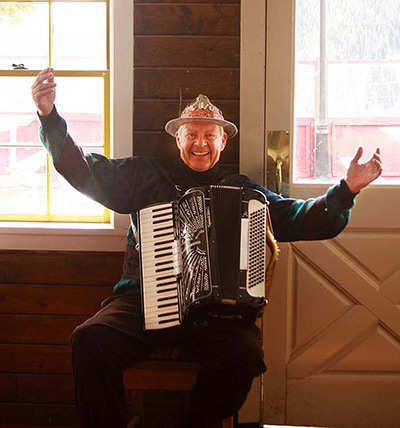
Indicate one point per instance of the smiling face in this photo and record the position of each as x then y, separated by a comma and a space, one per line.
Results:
200, 144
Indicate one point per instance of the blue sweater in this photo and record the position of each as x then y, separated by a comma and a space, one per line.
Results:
129, 184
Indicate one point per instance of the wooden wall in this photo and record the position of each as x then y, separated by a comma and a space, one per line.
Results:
187, 46
184, 47
43, 296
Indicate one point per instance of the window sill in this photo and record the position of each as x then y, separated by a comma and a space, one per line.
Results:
64, 236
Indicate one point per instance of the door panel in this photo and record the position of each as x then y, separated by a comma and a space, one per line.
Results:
332, 325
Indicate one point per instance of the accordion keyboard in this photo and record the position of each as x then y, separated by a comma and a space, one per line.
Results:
158, 253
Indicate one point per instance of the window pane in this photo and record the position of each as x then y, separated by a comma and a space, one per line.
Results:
66, 201
80, 100
24, 35
18, 119
363, 85
22, 181
79, 36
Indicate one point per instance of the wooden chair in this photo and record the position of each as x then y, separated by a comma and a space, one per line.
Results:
160, 375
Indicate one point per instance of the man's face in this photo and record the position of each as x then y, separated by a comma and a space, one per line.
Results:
200, 144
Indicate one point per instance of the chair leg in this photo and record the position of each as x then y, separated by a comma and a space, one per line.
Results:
137, 409
227, 422
134, 422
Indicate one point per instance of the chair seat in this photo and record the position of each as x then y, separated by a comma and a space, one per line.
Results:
161, 375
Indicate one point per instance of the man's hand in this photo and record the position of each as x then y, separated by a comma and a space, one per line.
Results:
359, 175
43, 91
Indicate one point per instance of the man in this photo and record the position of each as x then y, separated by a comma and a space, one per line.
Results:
229, 351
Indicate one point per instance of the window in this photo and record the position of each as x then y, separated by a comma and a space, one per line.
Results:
347, 86
71, 36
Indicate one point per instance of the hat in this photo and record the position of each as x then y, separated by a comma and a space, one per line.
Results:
201, 110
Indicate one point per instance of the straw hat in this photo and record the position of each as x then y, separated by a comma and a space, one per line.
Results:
201, 110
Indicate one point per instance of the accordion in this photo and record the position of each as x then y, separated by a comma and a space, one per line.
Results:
206, 255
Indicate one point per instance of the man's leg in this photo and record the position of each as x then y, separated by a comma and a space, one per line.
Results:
102, 348
99, 356
231, 356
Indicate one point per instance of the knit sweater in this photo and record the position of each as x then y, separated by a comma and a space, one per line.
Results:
127, 185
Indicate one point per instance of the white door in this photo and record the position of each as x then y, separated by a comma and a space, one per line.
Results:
332, 328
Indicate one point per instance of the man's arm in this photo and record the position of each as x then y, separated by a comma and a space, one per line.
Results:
326, 216
312, 219
111, 182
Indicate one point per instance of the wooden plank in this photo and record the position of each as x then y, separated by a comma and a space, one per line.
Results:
137, 2
38, 329
162, 145
152, 115
39, 414
8, 390
50, 299
16, 358
193, 19
60, 267
34, 388
43, 388
221, 84
187, 51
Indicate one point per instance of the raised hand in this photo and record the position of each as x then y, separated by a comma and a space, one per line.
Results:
43, 91
360, 174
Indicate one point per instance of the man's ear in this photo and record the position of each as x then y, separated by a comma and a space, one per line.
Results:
177, 139
224, 140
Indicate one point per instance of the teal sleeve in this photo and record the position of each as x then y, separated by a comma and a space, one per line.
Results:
111, 182
312, 219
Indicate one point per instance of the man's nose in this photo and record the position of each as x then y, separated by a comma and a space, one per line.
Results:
201, 141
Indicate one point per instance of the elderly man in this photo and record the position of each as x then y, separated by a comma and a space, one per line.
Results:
229, 351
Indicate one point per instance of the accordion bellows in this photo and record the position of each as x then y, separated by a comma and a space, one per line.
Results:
205, 256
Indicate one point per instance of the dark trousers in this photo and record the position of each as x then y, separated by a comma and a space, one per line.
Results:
229, 353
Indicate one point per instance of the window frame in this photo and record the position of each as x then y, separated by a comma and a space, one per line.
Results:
16, 235
267, 98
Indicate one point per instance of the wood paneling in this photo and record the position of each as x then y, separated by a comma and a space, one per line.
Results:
48, 299
137, 2
164, 110
218, 84
40, 414
46, 267
43, 297
35, 388
8, 390
35, 358
37, 329
194, 19
187, 51
184, 48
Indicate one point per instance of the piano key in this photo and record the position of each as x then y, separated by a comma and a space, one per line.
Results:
149, 260
163, 313
150, 297
173, 302
154, 325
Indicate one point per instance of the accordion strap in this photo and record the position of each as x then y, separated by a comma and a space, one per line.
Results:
273, 246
